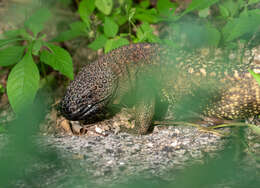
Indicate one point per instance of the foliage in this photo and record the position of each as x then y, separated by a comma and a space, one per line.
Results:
19, 48
2, 89
117, 23
118, 20
2, 129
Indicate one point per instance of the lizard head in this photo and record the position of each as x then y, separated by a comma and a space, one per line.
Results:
89, 92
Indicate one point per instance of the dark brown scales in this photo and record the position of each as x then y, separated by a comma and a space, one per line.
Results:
220, 84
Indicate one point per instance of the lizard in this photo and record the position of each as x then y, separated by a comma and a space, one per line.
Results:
212, 84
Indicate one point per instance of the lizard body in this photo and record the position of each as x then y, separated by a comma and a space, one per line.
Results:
220, 86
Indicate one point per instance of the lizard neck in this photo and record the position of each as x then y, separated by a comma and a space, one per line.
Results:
125, 62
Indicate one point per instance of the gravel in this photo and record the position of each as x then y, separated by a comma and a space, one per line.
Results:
116, 157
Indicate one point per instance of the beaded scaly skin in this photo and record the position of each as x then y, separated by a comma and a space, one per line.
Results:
213, 84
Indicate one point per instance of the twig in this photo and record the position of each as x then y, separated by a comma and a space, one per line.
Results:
232, 125
206, 129
176, 123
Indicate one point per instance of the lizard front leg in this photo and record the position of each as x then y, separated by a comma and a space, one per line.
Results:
144, 107
145, 102
142, 116
144, 113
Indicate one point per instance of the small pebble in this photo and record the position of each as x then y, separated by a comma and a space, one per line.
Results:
174, 143
150, 145
98, 130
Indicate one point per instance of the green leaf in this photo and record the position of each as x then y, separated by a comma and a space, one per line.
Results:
166, 7
66, 3
204, 12
198, 5
246, 23
131, 14
59, 59
76, 29
11, 55
145, 33
48, 81
110, 27
253, 1
79, 26
2, 129
86, 7
91, 6
67, 35
232, 7
98, 43
36, 47
255, 75
14, 33
2, 89
119, 19
223, 11
35, 21
4, 42
147, 15
115, 43
104, 6
213, 36
23, 83
145, 3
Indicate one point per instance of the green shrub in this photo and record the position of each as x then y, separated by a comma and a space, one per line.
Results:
18, 50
